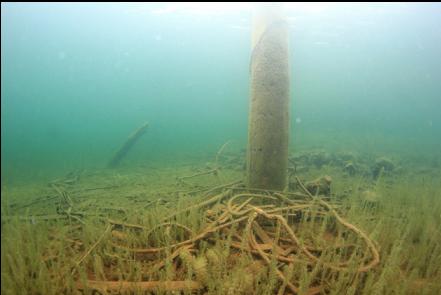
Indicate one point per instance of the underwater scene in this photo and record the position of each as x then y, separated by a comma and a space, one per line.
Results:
221, 148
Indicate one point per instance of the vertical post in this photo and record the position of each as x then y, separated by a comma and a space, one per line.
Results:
268, 126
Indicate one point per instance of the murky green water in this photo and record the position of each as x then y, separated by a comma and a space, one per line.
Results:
78, 78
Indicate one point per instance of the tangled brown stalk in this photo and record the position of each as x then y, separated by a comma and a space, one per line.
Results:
267, 226
278, 231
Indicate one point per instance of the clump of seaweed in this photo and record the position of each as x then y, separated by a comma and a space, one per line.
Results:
221, 237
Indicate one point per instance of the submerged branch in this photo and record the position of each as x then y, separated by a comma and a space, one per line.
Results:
128, 144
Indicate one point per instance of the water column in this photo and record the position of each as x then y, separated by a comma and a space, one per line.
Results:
268, 126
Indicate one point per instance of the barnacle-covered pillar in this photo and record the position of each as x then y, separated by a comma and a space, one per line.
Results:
268, 127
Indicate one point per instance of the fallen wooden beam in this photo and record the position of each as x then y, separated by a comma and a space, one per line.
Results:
125, 286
